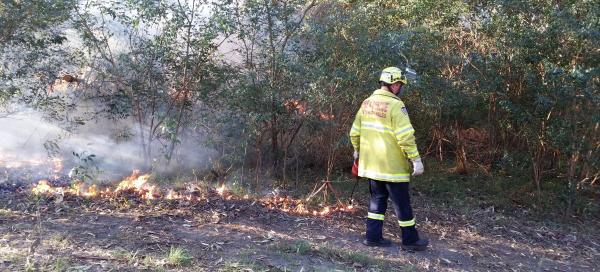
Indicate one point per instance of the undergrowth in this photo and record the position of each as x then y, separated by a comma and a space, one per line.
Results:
511, 194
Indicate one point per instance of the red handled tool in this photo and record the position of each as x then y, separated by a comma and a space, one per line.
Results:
355, 174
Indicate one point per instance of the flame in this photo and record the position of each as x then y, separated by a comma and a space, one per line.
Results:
135, 182
138, 184
325, 211
301, 209
221, 190
150, 192
92, 191
172, 195
43, 187
326, 117
76, 188
300, 206
295, 105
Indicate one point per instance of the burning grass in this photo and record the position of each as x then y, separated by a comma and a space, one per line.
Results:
137, 186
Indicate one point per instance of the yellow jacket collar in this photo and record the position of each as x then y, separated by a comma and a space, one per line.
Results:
385, 93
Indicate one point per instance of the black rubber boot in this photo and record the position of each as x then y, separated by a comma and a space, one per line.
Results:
409, 235
380, 243
419, 245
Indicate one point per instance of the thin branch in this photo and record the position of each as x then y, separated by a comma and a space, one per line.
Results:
298, 24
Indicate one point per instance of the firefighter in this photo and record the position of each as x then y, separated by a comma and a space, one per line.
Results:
384, 137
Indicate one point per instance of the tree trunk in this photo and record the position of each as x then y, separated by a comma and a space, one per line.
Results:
461, 155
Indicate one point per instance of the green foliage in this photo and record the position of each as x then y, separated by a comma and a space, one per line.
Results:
267, 34
510, 193
301, 247
524, 72
86, 169
30, 22
61, 264
507, 86
523, 76
32, 52
164, 70
179, 257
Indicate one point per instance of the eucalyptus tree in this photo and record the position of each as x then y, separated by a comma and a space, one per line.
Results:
523, 75
265, 37
549, 70
504, 85
152, 61
33, 53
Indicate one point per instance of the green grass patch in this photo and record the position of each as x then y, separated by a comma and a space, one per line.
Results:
5, 212
59, 241
301, 247
507, 193
511, 193
61, 264
179, 257
351, 258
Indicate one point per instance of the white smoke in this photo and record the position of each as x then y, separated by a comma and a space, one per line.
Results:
27, 140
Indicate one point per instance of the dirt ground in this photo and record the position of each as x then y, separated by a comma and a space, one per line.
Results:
216, 234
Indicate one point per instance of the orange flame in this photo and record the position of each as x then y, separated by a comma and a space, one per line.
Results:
138, 184
92, 191
150, 192
135, 181
301, 209
221, 190
43, 187
172, 195
326, 117
296, 105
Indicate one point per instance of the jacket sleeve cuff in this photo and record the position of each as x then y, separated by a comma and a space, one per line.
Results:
413, 154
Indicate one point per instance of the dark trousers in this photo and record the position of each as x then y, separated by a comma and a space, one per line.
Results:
399, 194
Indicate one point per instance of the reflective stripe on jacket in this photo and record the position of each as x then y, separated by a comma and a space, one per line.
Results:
384, 137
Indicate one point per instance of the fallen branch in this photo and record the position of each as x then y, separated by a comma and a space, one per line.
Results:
99, 258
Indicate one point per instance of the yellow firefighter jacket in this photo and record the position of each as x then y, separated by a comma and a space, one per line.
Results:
384, 137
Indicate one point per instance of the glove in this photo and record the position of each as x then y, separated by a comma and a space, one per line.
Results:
355, 155
418, 167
